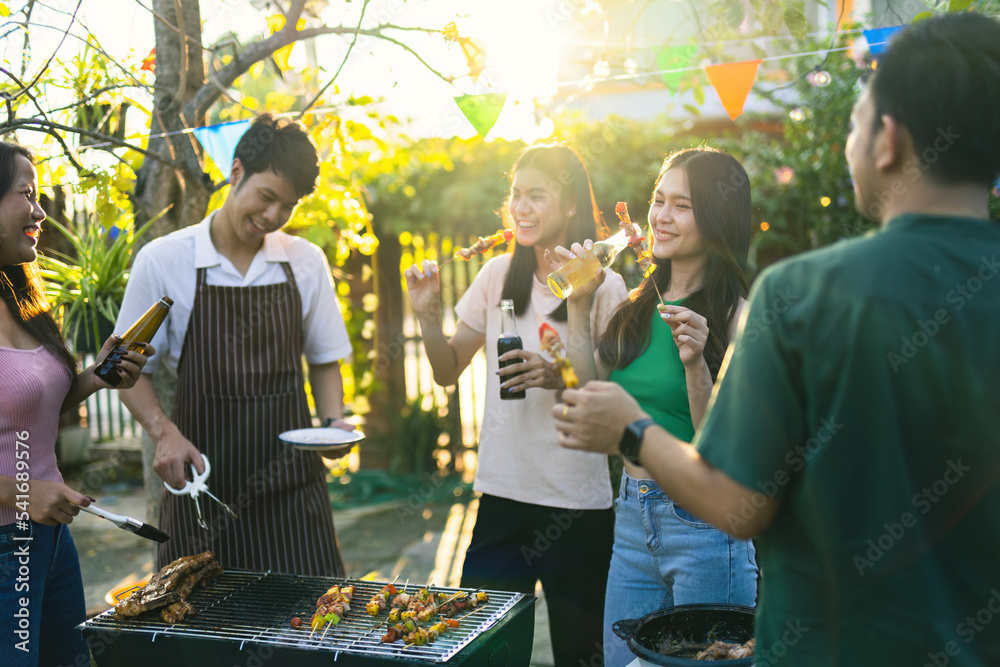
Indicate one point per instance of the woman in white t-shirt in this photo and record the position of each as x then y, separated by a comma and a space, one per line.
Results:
544, 514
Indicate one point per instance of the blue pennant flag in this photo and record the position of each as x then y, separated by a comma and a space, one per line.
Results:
220, 142
878, 38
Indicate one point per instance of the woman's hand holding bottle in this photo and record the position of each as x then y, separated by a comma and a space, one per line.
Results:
559, 256
129, 364
534, 372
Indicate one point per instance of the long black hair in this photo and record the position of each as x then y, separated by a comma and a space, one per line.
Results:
570, 180
21, 286
720, 199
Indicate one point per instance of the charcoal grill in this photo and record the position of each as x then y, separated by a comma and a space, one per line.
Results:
244, 618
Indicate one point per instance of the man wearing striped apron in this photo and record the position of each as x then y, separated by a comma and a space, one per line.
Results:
249, 301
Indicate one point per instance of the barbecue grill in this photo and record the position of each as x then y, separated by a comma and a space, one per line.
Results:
244, 618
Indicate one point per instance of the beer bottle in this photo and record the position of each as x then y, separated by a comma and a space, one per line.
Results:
581, 270
140, 332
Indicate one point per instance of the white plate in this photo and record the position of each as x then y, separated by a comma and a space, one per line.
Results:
320, 439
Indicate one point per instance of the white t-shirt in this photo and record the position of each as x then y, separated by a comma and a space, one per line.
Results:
519, 453
168, 266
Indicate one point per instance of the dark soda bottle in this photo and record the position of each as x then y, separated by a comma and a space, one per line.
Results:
140, 332
509, 340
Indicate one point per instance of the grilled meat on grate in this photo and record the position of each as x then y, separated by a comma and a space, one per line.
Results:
171, 585
176, 612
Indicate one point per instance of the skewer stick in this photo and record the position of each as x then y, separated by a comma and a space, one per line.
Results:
479, 609
323, 637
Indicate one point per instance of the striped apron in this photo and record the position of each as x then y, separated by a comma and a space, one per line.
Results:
240, 384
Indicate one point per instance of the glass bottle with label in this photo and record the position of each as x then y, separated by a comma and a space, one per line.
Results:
509, 340
141, 332
580, 270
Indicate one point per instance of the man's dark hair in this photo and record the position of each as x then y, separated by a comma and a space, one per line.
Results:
940, 78
282, 147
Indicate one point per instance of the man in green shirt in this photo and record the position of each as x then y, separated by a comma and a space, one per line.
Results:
856, 428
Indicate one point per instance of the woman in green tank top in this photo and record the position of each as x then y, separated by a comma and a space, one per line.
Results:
665, 346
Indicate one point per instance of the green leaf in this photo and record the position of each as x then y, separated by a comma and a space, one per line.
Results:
796, 22
693, 110
959, 5
699, 95
921, 16
771, 18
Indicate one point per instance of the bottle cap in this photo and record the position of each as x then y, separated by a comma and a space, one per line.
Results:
167, 300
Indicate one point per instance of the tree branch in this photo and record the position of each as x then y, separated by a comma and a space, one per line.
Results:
51, 57
257, 51
343, 62
159, 17
41, 125
26, 48
10, 98
295, 11
182, 84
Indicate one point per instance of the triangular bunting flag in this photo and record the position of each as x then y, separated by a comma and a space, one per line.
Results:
844, 10
733, 82
149, 62
220, 142
675, 57
878, 38
482, 110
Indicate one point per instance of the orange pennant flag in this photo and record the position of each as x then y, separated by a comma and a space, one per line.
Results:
733, 82
149, 61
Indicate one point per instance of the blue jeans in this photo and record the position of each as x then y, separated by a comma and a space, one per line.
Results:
664, 557
44, 572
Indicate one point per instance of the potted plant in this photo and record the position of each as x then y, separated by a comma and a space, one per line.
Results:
86, 291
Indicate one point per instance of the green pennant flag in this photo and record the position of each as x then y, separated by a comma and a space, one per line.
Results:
675, 57
482, 110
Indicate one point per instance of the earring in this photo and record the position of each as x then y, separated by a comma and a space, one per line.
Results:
571, 213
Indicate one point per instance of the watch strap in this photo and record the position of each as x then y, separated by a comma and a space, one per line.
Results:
632, 439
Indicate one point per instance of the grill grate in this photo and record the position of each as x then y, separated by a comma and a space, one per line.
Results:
258, 607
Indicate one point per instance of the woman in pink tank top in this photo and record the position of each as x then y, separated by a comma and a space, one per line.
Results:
41, 591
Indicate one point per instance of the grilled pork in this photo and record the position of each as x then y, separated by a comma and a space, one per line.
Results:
176, 612
171, 584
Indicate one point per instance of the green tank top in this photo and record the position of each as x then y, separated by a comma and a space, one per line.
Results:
656, 380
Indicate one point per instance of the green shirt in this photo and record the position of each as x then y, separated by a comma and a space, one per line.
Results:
864, 392
657, 381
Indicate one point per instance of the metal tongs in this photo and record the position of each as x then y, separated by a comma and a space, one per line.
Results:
197, 487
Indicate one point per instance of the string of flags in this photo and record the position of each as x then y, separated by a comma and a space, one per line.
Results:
732, 82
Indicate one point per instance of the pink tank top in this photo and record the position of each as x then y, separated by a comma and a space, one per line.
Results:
32, 392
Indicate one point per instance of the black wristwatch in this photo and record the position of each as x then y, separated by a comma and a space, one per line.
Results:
632, 439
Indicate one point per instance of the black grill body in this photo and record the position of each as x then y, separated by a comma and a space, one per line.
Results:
244, 620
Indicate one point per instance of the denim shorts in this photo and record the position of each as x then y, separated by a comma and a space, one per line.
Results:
44, 572
663, 556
